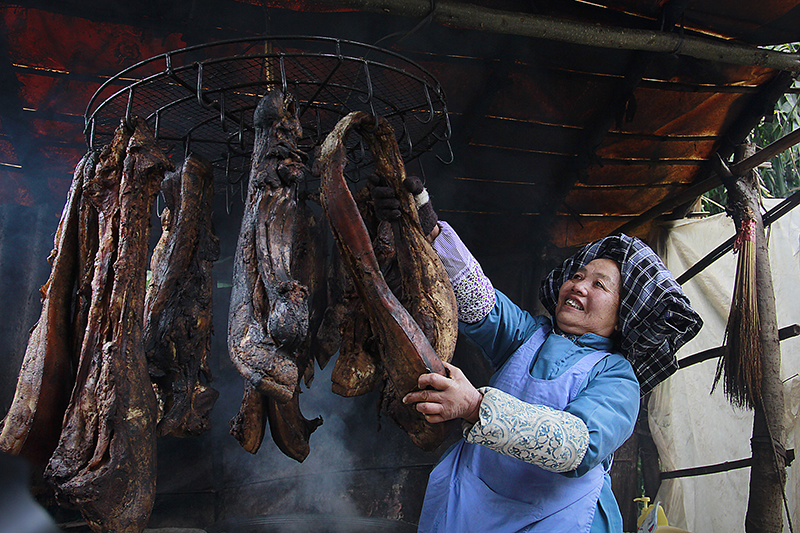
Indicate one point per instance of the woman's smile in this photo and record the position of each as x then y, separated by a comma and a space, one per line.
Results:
588, 302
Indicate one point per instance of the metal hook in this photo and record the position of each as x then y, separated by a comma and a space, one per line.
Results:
199, 85
241, 130
283, 73
317, 142
407, 135
448, 130
422, 171
222, 112
91, 133
227, 166
157, 123
187, 144
228, 204
201, 98
370, 94
363, 151
430, 105
452, 156
168, 59
128, 108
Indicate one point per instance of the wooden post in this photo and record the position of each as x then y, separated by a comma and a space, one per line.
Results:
765, 506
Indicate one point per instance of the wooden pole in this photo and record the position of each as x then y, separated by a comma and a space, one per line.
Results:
765, 506
713, 181
474, 17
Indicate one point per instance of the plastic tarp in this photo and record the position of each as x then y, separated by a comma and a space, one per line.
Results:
692, 426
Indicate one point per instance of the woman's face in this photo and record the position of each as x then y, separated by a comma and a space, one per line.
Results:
589, 301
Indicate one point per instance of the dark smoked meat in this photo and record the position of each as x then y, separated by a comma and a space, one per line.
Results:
178, 310
250, 422
269, 309
417, 334
275, 274
32, 425
357, 369
105, 462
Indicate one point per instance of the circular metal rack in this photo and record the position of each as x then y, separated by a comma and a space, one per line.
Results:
201, 99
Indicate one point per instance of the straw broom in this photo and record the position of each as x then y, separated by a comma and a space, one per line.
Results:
741, 359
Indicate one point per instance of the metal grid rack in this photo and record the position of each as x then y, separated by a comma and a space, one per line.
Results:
201, 99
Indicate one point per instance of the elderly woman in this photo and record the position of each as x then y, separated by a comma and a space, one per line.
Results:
539, 440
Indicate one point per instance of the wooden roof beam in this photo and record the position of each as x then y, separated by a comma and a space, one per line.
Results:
473, 17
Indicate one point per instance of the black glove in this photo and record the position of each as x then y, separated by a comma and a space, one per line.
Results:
387, 206
427, 216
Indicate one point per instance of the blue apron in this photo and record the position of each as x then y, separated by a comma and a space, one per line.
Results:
477, 489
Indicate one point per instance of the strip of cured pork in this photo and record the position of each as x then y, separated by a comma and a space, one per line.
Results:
269, 317
417, 334
178, 303
105, 462
32, 425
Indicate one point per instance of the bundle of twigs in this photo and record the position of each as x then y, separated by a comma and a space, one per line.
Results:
741, 359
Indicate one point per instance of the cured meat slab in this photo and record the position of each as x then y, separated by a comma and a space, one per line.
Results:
178, 304
275, 275
407, 349
104, 464
268, 314
32, 426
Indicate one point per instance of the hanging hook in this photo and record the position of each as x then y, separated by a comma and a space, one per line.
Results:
452, 156
318, 135
283, 73
227, 166
187, 144
430, 105
223, 125
168, 58
241, 130
447, 131
199, 87
370, 94
128, 108
91, 133
157, 123
362, 150
407, 135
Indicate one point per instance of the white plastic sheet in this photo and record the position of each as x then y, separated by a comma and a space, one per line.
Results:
692, 427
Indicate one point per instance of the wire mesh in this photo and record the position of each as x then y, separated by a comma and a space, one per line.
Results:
201, 99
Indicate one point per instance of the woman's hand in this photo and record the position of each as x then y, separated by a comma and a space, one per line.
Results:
445, 398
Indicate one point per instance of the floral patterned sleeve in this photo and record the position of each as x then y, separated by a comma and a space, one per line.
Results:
473, 290
551, 439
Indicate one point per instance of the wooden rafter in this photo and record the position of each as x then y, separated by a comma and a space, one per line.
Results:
473, 17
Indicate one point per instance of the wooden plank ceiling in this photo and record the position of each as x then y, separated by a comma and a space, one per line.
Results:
553, 143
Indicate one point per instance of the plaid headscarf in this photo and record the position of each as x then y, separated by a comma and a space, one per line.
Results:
655, 316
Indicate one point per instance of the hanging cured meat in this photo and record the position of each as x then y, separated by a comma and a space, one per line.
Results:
178, 310
32, 425
104, 464
269, 309
415, 335
274, 276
